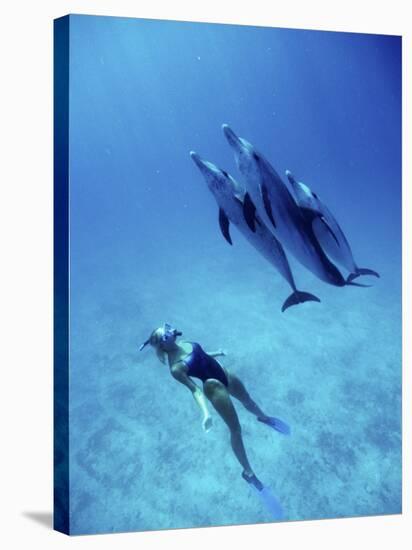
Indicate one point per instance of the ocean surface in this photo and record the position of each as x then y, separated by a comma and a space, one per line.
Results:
146, 248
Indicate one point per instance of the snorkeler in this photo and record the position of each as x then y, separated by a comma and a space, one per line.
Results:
187, 360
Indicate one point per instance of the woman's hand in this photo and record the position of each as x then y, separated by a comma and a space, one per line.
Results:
207, 423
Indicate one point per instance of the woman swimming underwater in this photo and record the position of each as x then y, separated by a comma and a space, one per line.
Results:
187, 360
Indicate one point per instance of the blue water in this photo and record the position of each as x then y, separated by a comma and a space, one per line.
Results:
145, 247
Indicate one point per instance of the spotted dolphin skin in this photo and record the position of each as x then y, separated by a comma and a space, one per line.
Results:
326, 228
268, 197
229, 197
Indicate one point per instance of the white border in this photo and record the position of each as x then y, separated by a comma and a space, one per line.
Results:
26, 268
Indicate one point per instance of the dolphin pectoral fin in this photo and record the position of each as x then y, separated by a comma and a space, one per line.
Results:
299, 297
224, 225
239, 200
249, 212
328, 227
267, 205
362, 271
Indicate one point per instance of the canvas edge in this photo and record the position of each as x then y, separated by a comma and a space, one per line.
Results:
61, 481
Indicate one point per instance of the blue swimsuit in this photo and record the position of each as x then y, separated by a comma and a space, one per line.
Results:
203, 366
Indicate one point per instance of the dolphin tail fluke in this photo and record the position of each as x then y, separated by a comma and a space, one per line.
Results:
362, 271
299, 297
351, 283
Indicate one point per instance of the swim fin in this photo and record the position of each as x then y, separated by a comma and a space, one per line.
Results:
253, 480
271, 503
268, 499
276, 424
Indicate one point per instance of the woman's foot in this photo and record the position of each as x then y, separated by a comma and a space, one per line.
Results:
253, 480
275, 423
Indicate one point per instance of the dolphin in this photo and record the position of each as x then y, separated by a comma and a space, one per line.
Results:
326, 228
229, 194
268, 197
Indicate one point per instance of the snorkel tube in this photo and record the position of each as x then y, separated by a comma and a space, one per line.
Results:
144, 345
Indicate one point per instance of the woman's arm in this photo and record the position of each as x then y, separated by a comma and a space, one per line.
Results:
178, 371
218, 353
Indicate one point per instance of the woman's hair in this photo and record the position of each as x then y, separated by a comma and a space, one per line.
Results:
155, 341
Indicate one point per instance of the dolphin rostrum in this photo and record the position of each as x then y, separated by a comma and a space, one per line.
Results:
268, 197
326, 228
229, 197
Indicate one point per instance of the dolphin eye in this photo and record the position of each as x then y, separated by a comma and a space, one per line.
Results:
315, 195
225, 173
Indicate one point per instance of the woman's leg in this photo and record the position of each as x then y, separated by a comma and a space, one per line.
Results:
238, 390
217, 393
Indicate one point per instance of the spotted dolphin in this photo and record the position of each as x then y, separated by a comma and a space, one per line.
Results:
326, 228
268, 197
229, 197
